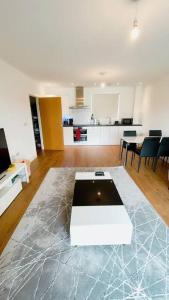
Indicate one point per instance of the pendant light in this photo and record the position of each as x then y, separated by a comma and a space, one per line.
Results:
103, 83
135, 32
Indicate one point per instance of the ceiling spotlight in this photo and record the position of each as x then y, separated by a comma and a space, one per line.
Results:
102, 84
135, 32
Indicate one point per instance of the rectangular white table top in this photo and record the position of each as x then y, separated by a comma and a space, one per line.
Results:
99, 215
91, 176
134, 139
99, 225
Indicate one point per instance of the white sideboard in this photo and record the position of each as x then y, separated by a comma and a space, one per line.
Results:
11, 184
100, 135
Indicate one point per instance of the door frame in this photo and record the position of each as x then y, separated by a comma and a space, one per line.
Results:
40, 124
39, 121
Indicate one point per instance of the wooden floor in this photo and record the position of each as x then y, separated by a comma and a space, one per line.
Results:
153, 185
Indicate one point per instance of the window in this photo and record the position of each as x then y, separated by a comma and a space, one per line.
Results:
105, 106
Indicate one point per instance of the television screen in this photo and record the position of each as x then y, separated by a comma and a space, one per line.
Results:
4, 153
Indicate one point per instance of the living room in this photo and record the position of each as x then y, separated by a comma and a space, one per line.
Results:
98, 74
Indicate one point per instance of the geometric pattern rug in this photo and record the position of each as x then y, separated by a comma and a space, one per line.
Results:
39, 263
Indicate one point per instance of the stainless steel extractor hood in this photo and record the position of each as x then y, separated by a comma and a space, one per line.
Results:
79, 100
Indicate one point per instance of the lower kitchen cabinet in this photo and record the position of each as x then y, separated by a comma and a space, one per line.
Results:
99, 135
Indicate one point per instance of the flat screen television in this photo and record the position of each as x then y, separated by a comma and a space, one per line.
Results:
5, 160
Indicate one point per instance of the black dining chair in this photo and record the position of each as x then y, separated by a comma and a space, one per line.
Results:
155, 132
130, 146
163, 150
149, 149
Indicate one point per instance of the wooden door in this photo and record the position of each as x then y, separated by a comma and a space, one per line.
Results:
51, 120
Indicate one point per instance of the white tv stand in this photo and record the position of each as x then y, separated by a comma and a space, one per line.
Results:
11, 184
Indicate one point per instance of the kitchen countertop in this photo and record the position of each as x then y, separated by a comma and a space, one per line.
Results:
96, 125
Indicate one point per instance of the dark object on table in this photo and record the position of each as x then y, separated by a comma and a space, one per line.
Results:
99, 173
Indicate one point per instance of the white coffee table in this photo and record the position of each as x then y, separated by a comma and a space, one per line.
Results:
99, 224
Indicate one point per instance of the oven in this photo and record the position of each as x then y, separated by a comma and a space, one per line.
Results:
79, 134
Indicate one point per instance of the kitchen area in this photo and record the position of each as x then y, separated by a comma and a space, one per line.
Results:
98, 121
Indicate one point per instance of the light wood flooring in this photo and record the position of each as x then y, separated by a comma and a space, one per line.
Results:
153, 185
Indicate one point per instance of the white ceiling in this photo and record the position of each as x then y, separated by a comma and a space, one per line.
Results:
68, 41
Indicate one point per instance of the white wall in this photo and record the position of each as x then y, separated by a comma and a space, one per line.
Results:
155, 109
106, 106
67, 95
126, 94
138, 105
126, 105
15, 115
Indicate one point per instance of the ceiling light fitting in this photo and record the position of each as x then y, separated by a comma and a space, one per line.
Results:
135, 32
103, 84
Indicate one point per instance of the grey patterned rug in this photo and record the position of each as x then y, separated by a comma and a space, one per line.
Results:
38, 262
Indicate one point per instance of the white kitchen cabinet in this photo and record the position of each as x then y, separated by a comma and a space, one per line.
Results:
100, 135
109, 135
104, 135
68, 135
93, 135
11, 185
114, 135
